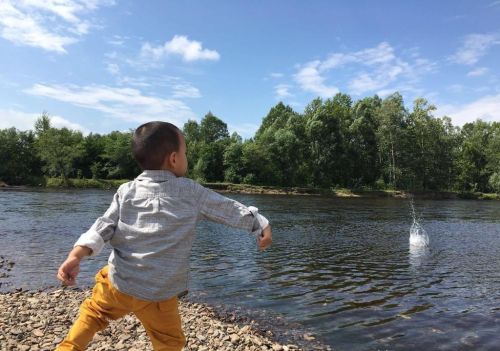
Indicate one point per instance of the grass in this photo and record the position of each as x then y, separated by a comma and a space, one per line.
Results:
478, 195
85, 183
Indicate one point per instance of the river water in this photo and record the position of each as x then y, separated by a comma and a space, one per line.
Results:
341, 269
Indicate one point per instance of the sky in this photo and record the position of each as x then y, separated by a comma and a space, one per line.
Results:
103, 65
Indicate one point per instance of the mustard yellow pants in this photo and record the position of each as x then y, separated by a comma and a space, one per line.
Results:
160, 319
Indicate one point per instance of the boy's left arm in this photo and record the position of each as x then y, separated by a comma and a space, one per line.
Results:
221, 209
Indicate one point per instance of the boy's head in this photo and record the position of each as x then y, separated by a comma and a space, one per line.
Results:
160, 145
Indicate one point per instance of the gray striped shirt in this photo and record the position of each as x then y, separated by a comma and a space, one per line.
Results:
150, 226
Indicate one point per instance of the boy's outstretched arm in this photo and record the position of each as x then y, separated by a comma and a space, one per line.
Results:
69, 269
218, 208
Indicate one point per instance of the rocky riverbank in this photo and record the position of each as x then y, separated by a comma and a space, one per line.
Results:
39, 320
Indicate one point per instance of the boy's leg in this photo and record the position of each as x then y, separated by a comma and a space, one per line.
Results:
162, 322
105, 303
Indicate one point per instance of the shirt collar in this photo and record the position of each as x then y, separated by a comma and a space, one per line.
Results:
156, 175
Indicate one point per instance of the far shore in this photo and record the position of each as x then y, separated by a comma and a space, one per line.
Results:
270, 190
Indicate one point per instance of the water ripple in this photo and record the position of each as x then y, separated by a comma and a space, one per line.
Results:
341, 267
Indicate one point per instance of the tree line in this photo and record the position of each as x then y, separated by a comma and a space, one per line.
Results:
371, 143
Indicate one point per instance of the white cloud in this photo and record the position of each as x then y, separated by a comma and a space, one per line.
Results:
486, 108
26, 121
189, 50
282, 91
185, 90
477, 72
276, 75
125, 103
113, 68
381, 54
118, 40
474, 47
380, 67
178, 87
60, 122
47, 24
310, 79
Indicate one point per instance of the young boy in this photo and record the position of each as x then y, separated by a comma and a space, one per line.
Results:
150, 225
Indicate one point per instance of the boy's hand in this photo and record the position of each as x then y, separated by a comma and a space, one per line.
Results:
70, 268
265, 238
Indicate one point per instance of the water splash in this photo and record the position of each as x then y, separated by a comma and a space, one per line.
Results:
418, 235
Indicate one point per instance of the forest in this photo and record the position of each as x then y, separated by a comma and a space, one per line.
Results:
372, 143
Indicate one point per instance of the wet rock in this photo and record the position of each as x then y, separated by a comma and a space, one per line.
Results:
309, 337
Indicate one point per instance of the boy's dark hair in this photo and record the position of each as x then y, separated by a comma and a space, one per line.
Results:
152, 142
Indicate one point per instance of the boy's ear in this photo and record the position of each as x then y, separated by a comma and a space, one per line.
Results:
172, 158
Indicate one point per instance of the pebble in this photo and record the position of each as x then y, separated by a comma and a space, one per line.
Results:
38, 321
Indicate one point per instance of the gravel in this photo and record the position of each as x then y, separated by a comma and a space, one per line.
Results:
38, 320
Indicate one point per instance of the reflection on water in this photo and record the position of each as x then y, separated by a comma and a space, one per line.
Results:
341, 267
418, 255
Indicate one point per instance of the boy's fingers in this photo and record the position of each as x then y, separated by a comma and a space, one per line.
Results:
67, 279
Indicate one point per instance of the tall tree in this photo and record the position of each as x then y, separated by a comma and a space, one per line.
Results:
493, 157
471, 161
58, 149
191, 131
234, 168
392, 116
326, 136
281, 135
363, 147
117, 156
19, 163
214, 137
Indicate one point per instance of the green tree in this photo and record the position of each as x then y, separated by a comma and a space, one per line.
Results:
257, 165
325, 130
91, 163
493, 157
471, 161
213, 129
59, 149
363, 147
282, 136
234, 169
191, 131
19, 163
391, 137
117, 156
213, 140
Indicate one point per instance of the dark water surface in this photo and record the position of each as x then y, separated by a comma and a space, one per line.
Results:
339, 267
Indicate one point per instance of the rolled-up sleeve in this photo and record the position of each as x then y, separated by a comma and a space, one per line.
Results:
103, 228
220, 209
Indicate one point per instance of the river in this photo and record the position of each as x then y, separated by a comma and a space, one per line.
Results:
340, 269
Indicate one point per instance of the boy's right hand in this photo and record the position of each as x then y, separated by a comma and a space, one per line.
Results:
266, 238
70, 268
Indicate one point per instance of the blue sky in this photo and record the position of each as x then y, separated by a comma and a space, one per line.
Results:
103, 65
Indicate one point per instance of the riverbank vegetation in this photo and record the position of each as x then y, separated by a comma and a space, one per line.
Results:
369, 144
